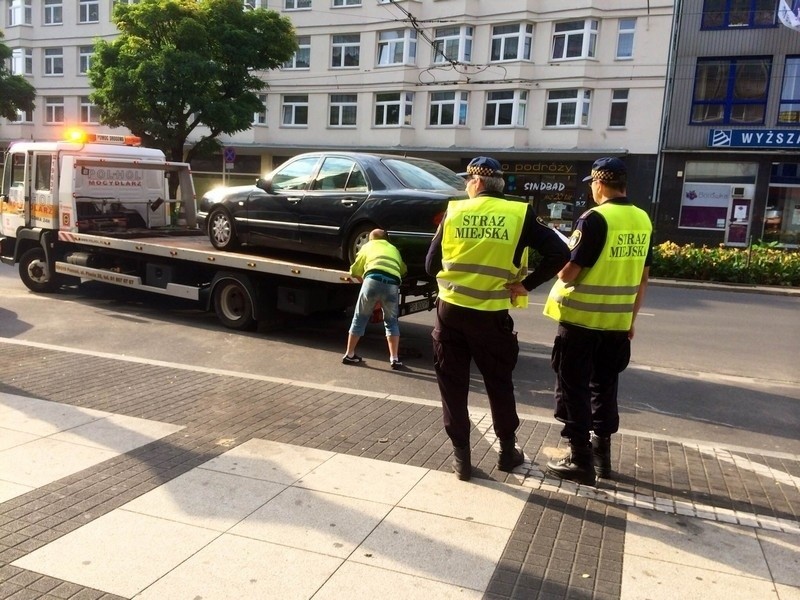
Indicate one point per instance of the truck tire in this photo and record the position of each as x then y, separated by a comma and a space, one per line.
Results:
36, 274
221, 230
233, 305
356, 240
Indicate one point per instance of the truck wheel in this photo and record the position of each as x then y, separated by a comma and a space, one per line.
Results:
36, 274
233, 305
221, 231
357, 239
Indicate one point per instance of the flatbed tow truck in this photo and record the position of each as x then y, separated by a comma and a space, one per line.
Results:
99, 209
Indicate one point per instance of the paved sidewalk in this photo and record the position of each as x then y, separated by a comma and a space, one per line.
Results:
137, 479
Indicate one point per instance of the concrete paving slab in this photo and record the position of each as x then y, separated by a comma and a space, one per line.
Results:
236, 567
42, 417
782, 552
355, 477
435, 547
206, 499
270, 461
118, 433
786, 592
361, 582
9, 490
315, 521
10, 438
121, 552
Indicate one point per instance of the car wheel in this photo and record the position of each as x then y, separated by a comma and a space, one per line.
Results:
233, 305
36, 274
221, 230
357, 239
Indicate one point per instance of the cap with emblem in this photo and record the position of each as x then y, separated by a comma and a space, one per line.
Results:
484, 166
607, 169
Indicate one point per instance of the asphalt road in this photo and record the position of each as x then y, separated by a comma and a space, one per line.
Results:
717, 366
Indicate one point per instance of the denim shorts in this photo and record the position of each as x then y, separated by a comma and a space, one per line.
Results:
372, 292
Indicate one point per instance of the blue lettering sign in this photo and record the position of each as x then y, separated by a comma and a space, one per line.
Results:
754, 138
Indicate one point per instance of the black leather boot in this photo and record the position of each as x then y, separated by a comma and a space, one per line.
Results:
601, 456
510, 456
575, 466
461, 463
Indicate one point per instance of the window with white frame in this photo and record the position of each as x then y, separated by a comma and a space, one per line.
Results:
54, 109
452, 44
448, 109
568, 108
296, 4
19, 13
339, 3
85, 54
342, 110
789, 111
397, 47
90, 113
23, 116
22, 61
345, 50
260, 118
627, 28
295, 110
511, 42
506, 108
53, 61
393, 108
575, 39
53, 12
89, 11
619, 108
302, 56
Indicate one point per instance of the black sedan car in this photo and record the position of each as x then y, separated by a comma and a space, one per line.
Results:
327, 203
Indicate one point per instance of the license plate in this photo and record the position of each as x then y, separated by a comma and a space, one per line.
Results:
417, 306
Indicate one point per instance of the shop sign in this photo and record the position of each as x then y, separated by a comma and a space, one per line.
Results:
754, 138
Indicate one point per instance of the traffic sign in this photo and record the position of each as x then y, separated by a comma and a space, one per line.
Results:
230, 154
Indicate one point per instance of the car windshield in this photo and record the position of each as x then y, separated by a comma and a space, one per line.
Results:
418, 174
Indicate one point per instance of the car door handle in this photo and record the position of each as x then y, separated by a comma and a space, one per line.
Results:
294, 200
349, 201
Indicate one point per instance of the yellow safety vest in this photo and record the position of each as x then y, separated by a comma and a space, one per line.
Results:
479, 238
602, 296
378, 255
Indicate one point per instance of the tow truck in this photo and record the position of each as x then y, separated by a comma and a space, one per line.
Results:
97, 207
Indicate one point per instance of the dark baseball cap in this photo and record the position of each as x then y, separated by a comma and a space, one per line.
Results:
608, 168
484, 166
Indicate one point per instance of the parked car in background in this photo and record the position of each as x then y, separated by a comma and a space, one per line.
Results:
327, 203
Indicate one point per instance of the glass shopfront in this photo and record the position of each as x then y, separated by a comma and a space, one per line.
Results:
782, 214
551, 188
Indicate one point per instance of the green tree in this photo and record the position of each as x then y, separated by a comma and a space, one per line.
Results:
15, 92
179, 65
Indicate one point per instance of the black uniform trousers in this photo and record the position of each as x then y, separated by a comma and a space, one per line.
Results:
587, 363
461, 335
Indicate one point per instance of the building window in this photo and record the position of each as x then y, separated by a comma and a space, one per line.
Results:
295, 110
627, 27
452, 44
506, 108
54, 109
393, 108
568, 108
53, 61
19, 13
296, 4
397, 47
339, 3
789, 111
731, 90
575, 39
511, 42
22, 61
90, 113
342, 110
721, 14
260, 118
619, 108
302, 56
345, 50
448, 109
23, 116
53, 12
85, 54
89, 11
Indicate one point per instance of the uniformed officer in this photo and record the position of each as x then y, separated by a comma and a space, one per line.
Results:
479, 258
595, 301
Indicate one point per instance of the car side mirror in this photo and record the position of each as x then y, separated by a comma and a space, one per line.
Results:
264, 184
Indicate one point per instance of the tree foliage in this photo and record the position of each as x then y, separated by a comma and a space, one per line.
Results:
178, 65
15, 92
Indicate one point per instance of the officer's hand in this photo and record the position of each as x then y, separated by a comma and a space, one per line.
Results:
631, 332
516, 289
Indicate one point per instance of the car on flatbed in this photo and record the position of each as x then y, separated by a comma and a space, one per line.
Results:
326, 203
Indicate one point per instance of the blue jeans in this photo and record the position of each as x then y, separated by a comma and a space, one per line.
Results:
372, 292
